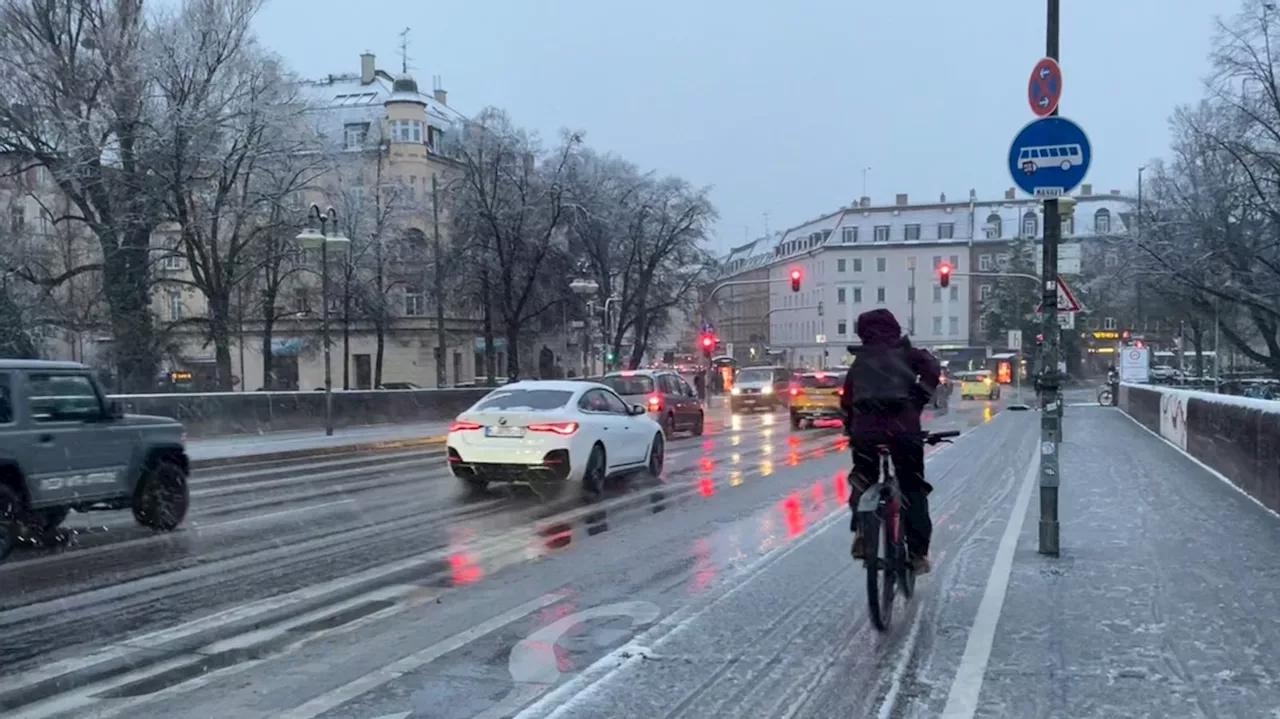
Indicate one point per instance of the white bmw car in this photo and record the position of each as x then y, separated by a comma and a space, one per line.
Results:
553, 432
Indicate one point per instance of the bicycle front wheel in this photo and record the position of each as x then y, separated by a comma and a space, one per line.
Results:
881, 570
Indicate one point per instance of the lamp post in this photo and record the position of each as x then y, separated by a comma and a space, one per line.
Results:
583, 287
311, 238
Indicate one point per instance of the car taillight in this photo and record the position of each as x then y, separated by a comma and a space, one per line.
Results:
463, 427
795, 391
562, 428
840, 392
655, 402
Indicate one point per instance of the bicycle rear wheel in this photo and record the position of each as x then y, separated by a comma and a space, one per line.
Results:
881, 570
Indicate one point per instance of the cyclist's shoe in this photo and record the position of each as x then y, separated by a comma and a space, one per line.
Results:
920, 564
857, 550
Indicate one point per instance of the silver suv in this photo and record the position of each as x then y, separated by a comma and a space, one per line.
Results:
63, 446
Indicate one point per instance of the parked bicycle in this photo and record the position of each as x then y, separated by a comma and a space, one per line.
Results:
1104, 395
881, 525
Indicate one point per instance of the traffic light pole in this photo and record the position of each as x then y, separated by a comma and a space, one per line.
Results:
1051, 414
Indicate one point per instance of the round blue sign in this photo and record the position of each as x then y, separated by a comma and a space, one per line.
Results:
1049, 157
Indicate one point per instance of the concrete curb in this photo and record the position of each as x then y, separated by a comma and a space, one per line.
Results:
256, 457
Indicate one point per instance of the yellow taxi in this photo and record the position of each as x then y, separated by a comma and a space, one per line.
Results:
815, 396
978, 385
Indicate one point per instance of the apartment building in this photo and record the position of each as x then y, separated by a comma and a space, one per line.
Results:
741, 312
864, 257
1088, 231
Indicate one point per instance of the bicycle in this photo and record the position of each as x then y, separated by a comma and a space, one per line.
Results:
1104, 395
883, 540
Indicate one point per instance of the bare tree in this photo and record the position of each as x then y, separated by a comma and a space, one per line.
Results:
510, 207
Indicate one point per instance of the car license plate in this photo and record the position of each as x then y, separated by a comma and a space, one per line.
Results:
504, 431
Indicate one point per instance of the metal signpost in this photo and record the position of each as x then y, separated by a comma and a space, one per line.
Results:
1048, 159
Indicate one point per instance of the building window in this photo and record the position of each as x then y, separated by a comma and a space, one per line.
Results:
842, 328
1068, 226
911, 232
1109, 323
175, 306
356, 194
826, 235
857, 295
849, 235
1110, 260
911, 293
954, 328
406, 131
1002, 261
937, 293
937, 260
415, 303
882, 233
857, 264
955, 293
946, 230
1030, 224
880, 295
984, 263
1102, 221
301, 304
955, 262
17, 218
984, 292
840, 265
840, 295
995, 227
937, 325
982, 323
354, 134
172, 259
881, 264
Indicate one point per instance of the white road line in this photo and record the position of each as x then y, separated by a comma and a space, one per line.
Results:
962, 700
281, 513
399, 668
890, 702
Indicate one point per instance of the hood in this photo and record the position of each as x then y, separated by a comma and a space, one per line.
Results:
878, 327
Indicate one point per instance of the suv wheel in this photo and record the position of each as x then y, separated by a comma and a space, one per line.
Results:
161, 498
700, 426
10, 508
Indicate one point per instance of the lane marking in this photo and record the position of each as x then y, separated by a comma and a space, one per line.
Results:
281, 513
962, 700
337, 697
908, 650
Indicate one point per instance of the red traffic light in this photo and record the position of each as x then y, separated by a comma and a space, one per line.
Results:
1039, 339
795, 280
944, 275
708, 342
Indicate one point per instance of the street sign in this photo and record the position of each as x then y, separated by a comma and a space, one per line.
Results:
1049, 157
1015, 339
1066, 320
1067, 303
820, 339
708, 327
1044, 90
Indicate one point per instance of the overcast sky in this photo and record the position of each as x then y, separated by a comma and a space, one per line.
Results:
779, 105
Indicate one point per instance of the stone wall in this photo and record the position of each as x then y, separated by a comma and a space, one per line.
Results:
223, 413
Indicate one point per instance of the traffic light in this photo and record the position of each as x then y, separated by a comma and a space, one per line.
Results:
944, 274
708, 344
1039, 339
795, 280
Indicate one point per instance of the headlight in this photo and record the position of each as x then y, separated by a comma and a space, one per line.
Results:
736, 390
767, 389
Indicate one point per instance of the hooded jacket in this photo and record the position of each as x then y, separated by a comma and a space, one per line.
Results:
879, 331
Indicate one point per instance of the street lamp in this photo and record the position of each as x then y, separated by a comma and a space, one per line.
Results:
310, 238
585, 288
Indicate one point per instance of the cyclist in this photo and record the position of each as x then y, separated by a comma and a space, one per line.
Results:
885, 392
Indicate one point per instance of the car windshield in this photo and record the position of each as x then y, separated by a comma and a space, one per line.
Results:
755, 376
823, 381
528, 399
639, 384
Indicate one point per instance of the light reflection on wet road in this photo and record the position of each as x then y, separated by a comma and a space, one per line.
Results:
749, 486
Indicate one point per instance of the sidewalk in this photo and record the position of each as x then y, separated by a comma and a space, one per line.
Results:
218, 448
1163, 602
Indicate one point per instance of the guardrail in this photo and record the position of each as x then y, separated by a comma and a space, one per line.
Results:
222, 413
1239, 437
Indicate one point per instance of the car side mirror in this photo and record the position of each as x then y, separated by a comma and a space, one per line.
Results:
637, 410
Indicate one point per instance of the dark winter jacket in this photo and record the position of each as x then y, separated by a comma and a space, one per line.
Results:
879, 331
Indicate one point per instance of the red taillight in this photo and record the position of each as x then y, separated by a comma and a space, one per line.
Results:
563, 428
840, 392
655, 402
795, 391
463, 427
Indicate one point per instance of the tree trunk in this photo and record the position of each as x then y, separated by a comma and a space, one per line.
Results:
490, 368
640, 332
346, 329
379, 350
220, 334
127, 283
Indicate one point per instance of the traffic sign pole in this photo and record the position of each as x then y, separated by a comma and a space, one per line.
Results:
1050, 381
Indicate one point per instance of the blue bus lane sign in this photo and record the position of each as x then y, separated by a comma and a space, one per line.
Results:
1049, 157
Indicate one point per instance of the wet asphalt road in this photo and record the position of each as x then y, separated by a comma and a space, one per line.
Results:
373, 585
